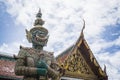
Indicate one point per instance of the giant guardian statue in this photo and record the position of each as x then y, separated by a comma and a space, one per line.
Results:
34, 63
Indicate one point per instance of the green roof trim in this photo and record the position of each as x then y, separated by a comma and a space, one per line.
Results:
6, 57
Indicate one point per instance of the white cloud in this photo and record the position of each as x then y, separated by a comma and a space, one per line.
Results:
112, 62
12, 48
98, 44
60, 14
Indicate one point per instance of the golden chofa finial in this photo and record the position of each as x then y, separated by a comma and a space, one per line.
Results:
38, 20
82, 34
83, 25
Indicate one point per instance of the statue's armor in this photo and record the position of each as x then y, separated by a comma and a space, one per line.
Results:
27, 62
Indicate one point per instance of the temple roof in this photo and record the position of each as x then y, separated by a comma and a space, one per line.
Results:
6, 57
84, 53
7, 64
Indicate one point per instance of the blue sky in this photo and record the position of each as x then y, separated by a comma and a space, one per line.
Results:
110, 34
63, 19
9, 31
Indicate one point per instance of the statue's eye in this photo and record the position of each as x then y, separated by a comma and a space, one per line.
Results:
41, 34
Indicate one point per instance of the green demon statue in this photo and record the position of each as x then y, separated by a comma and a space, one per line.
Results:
35, 63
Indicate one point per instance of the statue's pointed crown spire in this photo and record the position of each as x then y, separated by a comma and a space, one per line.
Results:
37, 27
38, 20
39, 14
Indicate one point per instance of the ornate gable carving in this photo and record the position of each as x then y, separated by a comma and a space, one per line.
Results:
76, 66
75, 63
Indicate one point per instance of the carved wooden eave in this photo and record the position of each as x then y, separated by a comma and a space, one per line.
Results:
79, 62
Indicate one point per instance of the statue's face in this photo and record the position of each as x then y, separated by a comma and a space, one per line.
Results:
39, 37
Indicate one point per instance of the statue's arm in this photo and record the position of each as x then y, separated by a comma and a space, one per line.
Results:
58, 67
21, 68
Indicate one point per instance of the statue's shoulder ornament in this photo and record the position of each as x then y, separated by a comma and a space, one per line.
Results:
48, 54
27, 50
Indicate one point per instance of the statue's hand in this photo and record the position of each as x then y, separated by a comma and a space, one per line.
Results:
42, 64
42, 68
41, 71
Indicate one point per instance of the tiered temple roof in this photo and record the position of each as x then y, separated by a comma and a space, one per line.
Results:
79, 62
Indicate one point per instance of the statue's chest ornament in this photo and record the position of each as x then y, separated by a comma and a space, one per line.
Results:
34, 57
31, 58
45, 58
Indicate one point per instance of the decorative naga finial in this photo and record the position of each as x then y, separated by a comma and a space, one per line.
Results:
38, 20
105, 69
